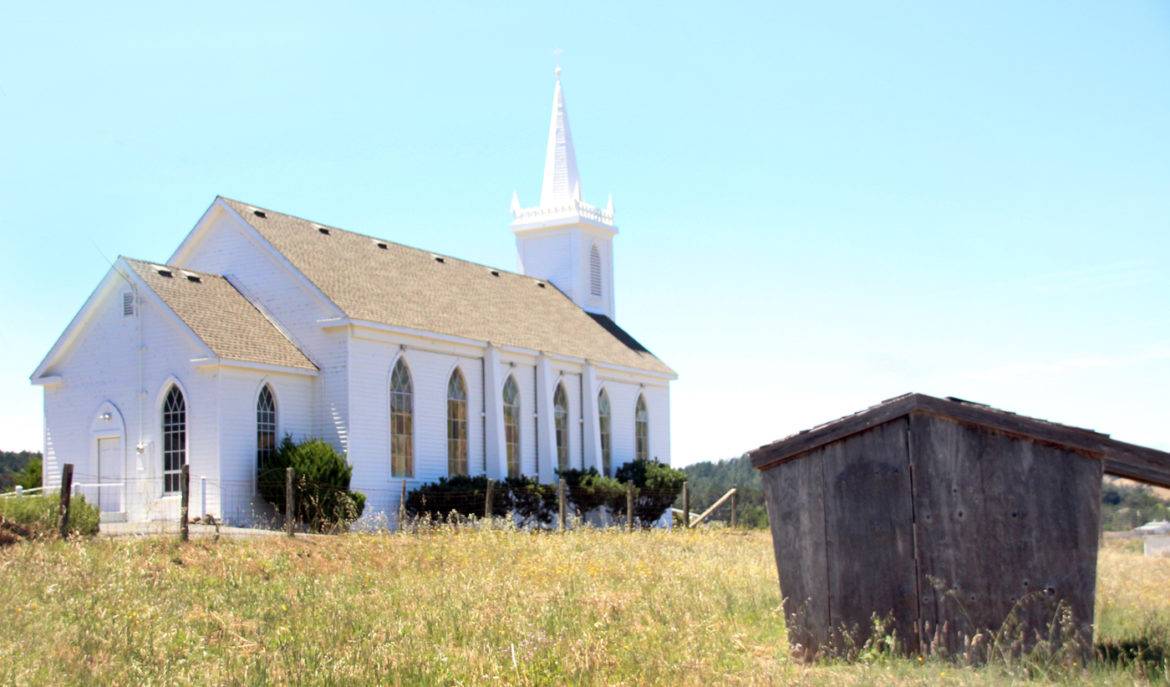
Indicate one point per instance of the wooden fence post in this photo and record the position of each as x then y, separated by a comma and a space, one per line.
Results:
561, 504
630, 506
734, 508
184, 501
487, 503
402, 507
686, 506
66, 492
290, 504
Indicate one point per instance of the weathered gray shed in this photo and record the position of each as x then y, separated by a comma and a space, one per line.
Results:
944, 515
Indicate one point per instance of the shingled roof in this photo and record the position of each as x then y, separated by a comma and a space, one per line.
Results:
220, 316
381, 281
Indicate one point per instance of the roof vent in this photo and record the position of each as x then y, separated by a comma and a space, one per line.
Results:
259, 213
495, 273
540, 284
323, 230
382, 245
439, 258
193, 278
164, 272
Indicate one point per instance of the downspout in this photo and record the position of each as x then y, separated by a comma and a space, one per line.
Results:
483, 409
536, 420
581, 416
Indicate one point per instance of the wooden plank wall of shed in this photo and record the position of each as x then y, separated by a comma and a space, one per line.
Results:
1005, 525
842, 528
870, 532
796, 511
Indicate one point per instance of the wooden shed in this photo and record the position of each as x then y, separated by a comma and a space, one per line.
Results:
947, 517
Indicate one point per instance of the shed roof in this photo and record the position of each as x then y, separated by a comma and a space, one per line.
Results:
376, 280
1121, 459
231, 326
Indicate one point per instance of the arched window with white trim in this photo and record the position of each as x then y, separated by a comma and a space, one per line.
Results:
265, 426
512, 425
401, 421
594, 271
641, 430
174, 433
604, 422
456, 425
561, 421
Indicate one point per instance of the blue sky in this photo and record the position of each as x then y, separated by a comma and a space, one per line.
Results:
821, 204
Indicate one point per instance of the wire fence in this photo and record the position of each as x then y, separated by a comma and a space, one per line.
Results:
405, 505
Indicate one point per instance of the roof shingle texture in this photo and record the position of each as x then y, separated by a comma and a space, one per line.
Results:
403, 286
221, 317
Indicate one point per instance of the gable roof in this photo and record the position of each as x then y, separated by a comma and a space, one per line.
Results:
1121, 459
380, 281
231, 326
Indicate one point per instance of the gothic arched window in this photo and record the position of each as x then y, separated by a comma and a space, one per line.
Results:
401, 421
603, 421
641, 430
561, 420
512, 425
265, 427
594, 271
174, 432
456, 425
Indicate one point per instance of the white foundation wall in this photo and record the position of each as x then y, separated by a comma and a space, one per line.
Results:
232, 497
100, 373
371, 362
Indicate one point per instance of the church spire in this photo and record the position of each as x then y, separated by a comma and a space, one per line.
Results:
562, 183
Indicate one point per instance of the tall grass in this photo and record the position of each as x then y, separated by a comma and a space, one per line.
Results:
448, 607
38, 513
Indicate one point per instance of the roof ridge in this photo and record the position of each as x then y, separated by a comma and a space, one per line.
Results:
334, 227
173, 266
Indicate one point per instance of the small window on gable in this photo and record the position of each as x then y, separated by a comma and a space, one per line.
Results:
128, 304
594, 271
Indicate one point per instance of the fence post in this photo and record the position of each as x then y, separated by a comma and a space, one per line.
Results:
289, 500
734, 508
203, 498
66, 493
487, 503
630, 506
686, 506
402, 508
184, 501
561, 503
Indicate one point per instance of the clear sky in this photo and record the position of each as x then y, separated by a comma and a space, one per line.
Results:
821, 205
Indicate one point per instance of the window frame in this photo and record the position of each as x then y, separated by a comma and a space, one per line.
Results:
173, 476
605, 428
561, 425
512, 423
403, 468
457, 426
641, 429
273, 424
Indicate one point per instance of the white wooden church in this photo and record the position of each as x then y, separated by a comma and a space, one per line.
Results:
415, 365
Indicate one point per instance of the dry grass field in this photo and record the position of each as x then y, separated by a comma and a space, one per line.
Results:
466, 607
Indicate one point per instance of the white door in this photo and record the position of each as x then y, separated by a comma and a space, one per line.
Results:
110, 471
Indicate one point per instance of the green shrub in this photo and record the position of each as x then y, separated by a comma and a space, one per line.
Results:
466, 496
30, 477
657, 485
320, 486
589, 489
38, 513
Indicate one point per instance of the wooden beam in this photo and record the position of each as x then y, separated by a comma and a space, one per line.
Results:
704, 514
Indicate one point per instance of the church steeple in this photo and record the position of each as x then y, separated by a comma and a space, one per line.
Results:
562, 183
564, 239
